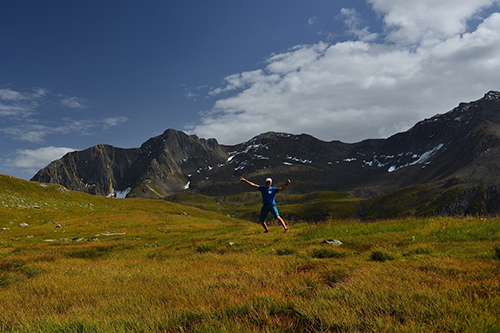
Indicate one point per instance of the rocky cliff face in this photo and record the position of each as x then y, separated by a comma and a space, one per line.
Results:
161, 166
460, 147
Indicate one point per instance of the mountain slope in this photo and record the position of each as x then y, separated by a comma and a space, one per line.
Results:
461, 144
158, 168
460, 147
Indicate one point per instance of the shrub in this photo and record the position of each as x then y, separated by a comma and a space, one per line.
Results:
497, 252
6, 279
327, 253
90, 253
284, 252
381, 256
20, 266
418, 251
15, 265
33, 270
205, 248
333, 278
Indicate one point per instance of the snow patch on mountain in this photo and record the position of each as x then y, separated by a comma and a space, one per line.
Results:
121, 194
422, 159
300, 160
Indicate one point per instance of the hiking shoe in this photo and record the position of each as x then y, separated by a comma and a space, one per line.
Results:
266, 231
286, 230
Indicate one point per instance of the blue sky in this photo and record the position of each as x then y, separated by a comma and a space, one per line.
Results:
74, 74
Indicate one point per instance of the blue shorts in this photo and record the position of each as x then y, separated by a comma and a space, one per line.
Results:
266, 209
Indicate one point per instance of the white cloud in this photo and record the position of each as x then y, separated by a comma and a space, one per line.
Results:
313, 20
192, 95
30, 161
427, 20
28, 132
73, 103
242, 80
111, 121
32, 115
18, 104
22, 104
37, 132
11, 95
14, 110
353, 22
359, 89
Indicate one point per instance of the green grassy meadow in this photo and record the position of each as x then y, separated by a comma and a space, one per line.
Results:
71, 262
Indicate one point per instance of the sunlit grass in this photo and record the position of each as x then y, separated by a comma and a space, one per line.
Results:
92, 264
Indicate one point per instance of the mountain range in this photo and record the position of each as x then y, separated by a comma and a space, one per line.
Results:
448, 164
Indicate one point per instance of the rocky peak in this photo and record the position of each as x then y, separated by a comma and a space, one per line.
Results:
161, 166
492, 95
182, 146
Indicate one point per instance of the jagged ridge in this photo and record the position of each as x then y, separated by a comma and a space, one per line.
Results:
158, 168
460, 145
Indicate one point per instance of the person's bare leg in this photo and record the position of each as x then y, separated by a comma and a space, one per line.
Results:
282, 222
264, 225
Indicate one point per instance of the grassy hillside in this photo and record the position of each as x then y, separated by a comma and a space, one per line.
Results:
312, 207
440, 198
71, 262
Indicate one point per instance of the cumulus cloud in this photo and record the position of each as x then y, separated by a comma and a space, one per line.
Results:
372, 86
353, 23
427, 20
30, 161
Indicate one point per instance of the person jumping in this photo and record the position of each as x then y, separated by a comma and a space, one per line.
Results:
268, 201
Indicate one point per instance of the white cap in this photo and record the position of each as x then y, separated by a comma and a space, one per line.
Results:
269, 180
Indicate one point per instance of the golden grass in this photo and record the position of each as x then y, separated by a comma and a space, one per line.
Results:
154, 266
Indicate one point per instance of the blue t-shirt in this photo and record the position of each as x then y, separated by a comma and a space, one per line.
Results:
268, 194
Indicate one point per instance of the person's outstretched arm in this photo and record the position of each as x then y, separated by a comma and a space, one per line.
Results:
249, 182
288, 181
